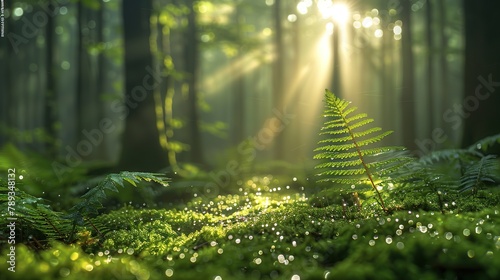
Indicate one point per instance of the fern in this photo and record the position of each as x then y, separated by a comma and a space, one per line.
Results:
92, 199
486, 143
448, 155
33, 216
349, 154
480, 173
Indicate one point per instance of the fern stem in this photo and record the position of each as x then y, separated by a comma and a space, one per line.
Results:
360, 155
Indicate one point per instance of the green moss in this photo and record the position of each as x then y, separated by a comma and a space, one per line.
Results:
261, 232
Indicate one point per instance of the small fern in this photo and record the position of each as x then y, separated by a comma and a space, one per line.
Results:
480, 173
486, 143
92, 199
34, 217
349, 153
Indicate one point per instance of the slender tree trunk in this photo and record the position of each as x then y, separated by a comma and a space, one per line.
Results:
141, 150
431, 99
336, 82
443, 42
480, 108
239, 92
408, 90
191, 58
278, 92
50, 98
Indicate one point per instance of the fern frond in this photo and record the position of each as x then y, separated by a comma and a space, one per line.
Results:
485, 144
33, 215
350, 155
480, 173
92, 199
466, 155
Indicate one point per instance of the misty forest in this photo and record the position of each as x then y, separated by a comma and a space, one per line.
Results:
249, 139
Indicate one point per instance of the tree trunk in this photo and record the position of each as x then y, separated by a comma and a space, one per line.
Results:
191, 60
278, 74
430, 69
141, 150
479, 109
408, 91
443, 42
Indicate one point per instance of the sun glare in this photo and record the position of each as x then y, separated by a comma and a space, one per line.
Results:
339, 12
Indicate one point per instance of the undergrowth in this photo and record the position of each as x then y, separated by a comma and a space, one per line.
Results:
376, 213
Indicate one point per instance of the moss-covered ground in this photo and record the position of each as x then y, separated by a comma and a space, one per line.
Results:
267, 229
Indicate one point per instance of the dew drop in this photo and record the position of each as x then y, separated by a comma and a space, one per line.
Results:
354, 236
466, 232
295, 277
423, 229
448, 235
471, 254
479, 230
169, 272
388, 240
400, 245
371, 242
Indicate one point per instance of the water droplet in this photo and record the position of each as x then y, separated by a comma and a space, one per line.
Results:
423, 229
295, 277
371, 242
169, 272
448, 235
478, 230
471, 254
400, 245
388, 240
466, 232
257, 261
354, 236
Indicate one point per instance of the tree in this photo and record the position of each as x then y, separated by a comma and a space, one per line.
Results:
479, 110
141, 149
191, 60
408, 91
278, 73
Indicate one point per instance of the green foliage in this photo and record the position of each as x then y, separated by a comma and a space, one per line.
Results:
34, 215
485, 144
41, 224
349, 153
92, 200
480, 173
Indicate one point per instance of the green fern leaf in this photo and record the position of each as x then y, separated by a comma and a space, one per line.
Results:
480, 173
349, 155
485, 144
92, 199
34, 216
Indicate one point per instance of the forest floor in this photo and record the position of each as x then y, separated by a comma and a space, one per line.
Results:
275, 228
